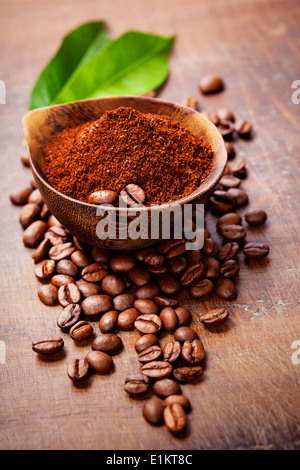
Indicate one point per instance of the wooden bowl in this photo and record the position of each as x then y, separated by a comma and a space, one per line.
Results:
80, 218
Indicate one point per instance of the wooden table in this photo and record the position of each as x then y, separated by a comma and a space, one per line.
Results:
249, 397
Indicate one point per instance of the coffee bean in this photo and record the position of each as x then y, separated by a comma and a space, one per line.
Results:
127, 318
184, 333
226, 128
193, 352
172, 247
122, 263
230, 181
44, 269
69, 316
99, 361
180, 399
212, 117
210, 247
154, 260
140, 254
20, 196
81, 331
148, 292
137, 384
48, 345
153, 411
41, 251
123, 302
48, 294
211, 84
226, 115
187, 374
214, 317
113, 285
146, 306
81, 259
95, 272
240, 196
153, 353
165, 301
169, 318
229, 219
166, 387
233, 232
229, 251
45, 213
239, 168
230, 268
139, 276
68, 294
88, 288
108, 343
171, 351
104, 196
61, 280
34, 233
243, 128
192, 273
193, 256
108, 321
256, 217
100, 255
256, 250
145, 342
78, 244
168, 284
221, 206
148, 323
175, 418
78, 369
35, 197
183, 315
212, 267
61, 251
224, 196
191, 102
56, 235
201, 288
157, 369
29, 214
67, 267
97, 304
225, 289
133, 195
25, 160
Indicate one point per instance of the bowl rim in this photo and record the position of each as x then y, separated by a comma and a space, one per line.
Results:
209, 182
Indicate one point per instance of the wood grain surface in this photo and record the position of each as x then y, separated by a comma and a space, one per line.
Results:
249, 395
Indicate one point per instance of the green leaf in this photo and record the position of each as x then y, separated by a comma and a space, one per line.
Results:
132, 64
76, 50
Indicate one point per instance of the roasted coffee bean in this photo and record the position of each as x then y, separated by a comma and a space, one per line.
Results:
137, 384
214, 317
221, 207
153, 410
48, 294
256, 250
148, 292
185, 333
192, 273
81, 259
166, 387
212, 117
187, 374
69, 316
108, 343
191, 102
100, 255
240, 196
29, 214
35, 197
233, 232
123, 302
45, 212
230, 181
81, 331
212, 267
97, 304
239, 168
210, 247
225, 289
54, 221
34, 233
108, 321
193, 256
145, 342
104, 196
157, 370
88, 288
193, 352
113, 285
230, 268
180, 399
139, 276
172, 247
68, 294
226, 128
61, 251
211, 84
171, 351
148, 323
168, 284
41, 251
224, 196
146, 306
122, 263
25, 160
229, 219
78, 244
127, 318
154, 260
44, 269
226, 115
153, 353
48, 345
59, 280
183, 315
78, 369
175, 418
140, 254
256, 217
20, 196
133, 195
165, 301
169, 318
99, 361
95, 272
229, 251
201, 288
56, 235
243, 128
67, 267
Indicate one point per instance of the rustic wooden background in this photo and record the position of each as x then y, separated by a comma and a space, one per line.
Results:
249, 397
